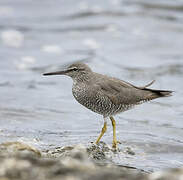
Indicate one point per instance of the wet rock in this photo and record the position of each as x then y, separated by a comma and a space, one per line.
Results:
30, 167
58, 152
78, 151
169, 174
100, 152
66, 163
13, 148
129, 151
69, 163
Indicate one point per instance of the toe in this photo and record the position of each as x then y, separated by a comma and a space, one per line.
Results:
114, 144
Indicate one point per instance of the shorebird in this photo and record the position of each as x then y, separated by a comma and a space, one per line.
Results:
106, 95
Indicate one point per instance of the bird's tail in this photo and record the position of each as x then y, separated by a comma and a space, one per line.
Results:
155, 93
159, 93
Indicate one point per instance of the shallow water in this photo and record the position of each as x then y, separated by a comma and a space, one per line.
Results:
137, 41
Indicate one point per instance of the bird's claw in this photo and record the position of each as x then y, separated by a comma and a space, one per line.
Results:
114, 144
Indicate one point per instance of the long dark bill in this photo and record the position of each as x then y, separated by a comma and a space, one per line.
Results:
55, 73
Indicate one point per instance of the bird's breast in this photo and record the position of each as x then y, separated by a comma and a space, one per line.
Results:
91, 99
79, 91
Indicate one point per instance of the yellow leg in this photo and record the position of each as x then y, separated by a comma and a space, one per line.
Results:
114, 142
102, 132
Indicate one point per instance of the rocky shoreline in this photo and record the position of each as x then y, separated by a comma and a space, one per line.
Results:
19, 161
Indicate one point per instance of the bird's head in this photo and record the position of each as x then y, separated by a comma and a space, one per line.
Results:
77, 71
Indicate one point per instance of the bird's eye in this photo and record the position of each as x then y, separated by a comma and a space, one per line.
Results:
75, 69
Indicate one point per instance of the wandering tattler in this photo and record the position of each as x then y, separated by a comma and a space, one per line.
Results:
106, 95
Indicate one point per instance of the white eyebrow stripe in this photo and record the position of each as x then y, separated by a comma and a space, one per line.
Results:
72, 68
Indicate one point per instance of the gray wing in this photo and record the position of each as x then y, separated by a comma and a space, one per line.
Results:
121, 92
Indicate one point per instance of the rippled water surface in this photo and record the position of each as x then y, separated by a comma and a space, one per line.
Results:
134, 40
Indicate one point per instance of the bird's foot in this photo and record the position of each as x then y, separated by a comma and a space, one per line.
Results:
119, 142
114, 144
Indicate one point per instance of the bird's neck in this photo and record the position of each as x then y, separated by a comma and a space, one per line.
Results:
85, 78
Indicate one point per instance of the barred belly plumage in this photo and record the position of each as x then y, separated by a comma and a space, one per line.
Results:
97, 103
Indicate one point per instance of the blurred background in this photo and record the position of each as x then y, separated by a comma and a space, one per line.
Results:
134, 40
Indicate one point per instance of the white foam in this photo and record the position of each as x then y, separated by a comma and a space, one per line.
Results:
83, 6
52, 49
96, 9
28, 59
112, 28
12, 38
6, 11
25, 62
91, 43
30, 141
116, 2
